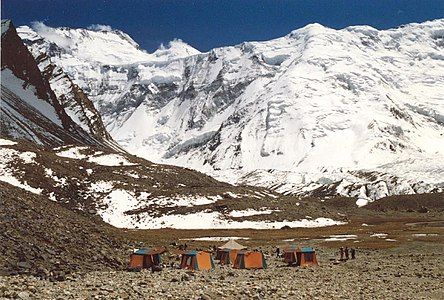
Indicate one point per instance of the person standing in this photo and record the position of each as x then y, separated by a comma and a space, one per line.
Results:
346, 253
341, 251
278, 252
353, 253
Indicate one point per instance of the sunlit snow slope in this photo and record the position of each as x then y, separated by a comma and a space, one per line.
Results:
356, 111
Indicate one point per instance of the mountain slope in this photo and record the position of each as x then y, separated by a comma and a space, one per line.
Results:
130, 192
46, 239
71, 96
355, 112
30, 109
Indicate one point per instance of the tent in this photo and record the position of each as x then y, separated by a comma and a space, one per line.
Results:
227, 252
306, 256
145, 258
196, 260
289, 254
226, 256
250, 260
232, 245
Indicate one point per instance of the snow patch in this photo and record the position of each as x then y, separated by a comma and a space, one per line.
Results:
340, 237
424, 234
9, 155
202, 220
111, 160
250, 212
116, 204
101, 187
73, 153
215, 238
4, 142
379, 235
361, 202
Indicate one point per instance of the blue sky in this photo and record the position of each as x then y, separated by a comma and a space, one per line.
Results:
207, 24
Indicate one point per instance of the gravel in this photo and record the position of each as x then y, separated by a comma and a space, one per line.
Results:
400, 273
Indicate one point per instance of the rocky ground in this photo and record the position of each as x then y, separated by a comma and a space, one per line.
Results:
43, 238
413, 271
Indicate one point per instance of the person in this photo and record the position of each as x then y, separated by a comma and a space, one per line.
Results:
278, 252
185, 246
353, 253
346, 253
341, 251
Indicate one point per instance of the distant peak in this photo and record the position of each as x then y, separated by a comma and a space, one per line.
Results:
310, 29
175, 49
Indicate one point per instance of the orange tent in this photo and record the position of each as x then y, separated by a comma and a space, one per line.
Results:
289, 254
227, 256
145, 258
306, 257
250, 260
194, 260
227, 253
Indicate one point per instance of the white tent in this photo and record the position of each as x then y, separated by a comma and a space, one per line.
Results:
232, 245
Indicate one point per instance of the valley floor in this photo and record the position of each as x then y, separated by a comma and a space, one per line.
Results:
401, 259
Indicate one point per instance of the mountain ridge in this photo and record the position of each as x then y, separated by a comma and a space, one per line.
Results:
31, 109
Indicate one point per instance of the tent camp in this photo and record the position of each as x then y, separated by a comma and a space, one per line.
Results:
196, 260
305, 256
250, 260
145, 258
227, 253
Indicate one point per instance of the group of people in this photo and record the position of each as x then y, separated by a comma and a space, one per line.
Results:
345, 253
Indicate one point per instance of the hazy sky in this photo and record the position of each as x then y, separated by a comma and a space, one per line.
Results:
212, 23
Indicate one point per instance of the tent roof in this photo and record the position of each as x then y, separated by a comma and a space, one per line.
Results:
232, 245
290, 248
307, 249
190, 253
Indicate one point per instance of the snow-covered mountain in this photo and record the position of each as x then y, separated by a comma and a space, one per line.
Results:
52, 145
356, 112
30, 109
